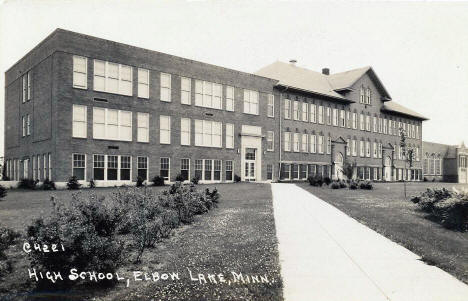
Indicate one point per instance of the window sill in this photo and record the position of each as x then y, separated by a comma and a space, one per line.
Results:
113, 93
80, 88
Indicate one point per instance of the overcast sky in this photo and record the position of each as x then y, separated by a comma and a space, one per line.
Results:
418, 49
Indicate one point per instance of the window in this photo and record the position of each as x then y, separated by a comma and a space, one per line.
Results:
348, 147
271, 106
437, 164
229, 135
320, 144
355, 121
80, 71
164, 168
295, 171
296, 142
269, 172
380, 125
185, 131
303, 171
374, 122
270, 141
287, 109
229, 99
320, 115
287, 141
165, 87
385, 126
79, 166
229, 172
368, 96
335, 117
329, 116
199, 169
28, 125
285, 171
207, 174
305, 143
250, 102
217, 170
312, 170
79, 121
390, 127
112, 124
368, 150
361, 95
142, 167
208, 94
361, 148
313, 144
413, 130
417, 132
44, 161
185, 91
305, 111
125, 168
112, 168
28, 94
26, 169
295, 110
329, 145
112, 78
313, 113
98, 167
25, 87
380, 151
342, 119
354, 147
34, 168
143, 83
208, 133
164, 129
348, 119
143, 127
185, 169
23, 120
368, 128
361, 122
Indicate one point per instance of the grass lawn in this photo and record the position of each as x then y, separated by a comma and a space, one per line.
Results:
385, 210
239, 236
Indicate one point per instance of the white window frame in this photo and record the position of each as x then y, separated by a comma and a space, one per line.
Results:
79, 122
230, 103
251, 102
168, 178
185, 131
185, 91
165, 86
295, 110
305, 143
143, 83
335, 117
142, 127
73, 164
321, 115
229, 135
313, 113
205, 132
77, 72
120, 80
313, 143
342, 118
270, 141
305, 112
106, 124
287, 109
164, 129
271, 106
296, 142
355, 121
320, 144
287, 141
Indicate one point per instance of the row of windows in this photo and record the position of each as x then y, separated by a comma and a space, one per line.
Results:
432, 165
463, 162
303, 171
365, 96
117, 78
119, 168
26, 87
41, 166
332, 116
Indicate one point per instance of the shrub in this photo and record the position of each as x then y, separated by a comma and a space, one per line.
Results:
87, 229
315, 180
327, 180
335, 185
195, 180
8, 238
342, 184
73, 183
237, 178
3, 192
139, 182
5, 178
366, 185
92, 184
353, 185
425, 179
214, 195
48, 185
179, 178
28, 184
158, 181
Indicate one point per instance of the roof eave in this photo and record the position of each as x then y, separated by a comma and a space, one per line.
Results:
422, 118
345, 100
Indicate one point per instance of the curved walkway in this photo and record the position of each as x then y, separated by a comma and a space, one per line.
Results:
326, 255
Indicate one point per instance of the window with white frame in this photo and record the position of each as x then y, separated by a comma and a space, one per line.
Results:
164, 168
34, 168
270, 141
362, 148
329, 116
185, 91
125, 168
79, 121
417, 132
380, 151
208, 94
271, 106
313, 144
28, 124
217, 170
320, 144
362, 95
199, 169
230, 98
354, 147
296, 142
354, 120
287, 109
348, 147
250, 102
142, 127
342, 119
44, 167
320, 114
385, 129
112, 168
185, 169
80, 71
208, 133
287, 141
313, 113
269, 172
229, 135
329, 143
26, 79
229, 171
374, 148
142, 168
112, 78
26, 169
112, 124
374, 122
165, 129
99, 167
368, 128
295, 110
185, 131
413, 131
368, 96
50, 166
362, 125
335, 117
305, 111
23, 122
165, 91
207, 170
348, 119
305, 143
143, 83
390, 127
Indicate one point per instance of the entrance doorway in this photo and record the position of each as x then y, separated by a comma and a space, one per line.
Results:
249, 163
338, 166
388, 169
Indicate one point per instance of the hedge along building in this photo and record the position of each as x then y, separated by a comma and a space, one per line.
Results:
442, 162
97, 109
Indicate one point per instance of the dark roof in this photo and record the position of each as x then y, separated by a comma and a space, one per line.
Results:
394, 107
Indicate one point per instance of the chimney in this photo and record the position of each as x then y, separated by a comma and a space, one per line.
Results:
293, 62
325, 71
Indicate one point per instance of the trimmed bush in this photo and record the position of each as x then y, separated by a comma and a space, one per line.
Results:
195, 180
3, 192
237, 178
366, 185
92, 184
327, 180
139, 182
179, 178
28, 184
343, 184
158, 181
315, 180
353, 185
335, 185
48, 185
73, 183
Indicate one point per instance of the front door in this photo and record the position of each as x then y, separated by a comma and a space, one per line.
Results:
249, 170
388, 169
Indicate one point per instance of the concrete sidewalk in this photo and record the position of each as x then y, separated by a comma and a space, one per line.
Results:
328, 256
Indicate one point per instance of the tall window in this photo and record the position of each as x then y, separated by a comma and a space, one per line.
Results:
320, 114
98, 167
320, 144
208, 133
342, 118
329, 116
271, 106
374, 121
23, 122
335, 117
143, 127
112, 124
348, 147
368, 96
142, 167
361, 122
368, 150
199, 169
79, 121
250, 102
348, 119
229, 135
375, 150
229, 99
313, 143
305, 143
287, 109
296, 142
208, 94
165, 87
164, 168
28, 124
112, 168
269, 172
208, 168
270, 141
80, 71
355, 121
185, 131
125, 168
362, 95
313, 113
295, 110
390, 127
185, 90
185, 169
229, 172
385, 128
164, 129
329, 145
305, 111
354, 147
112, 78
368, 128
362, 148
287, 141
143, 83
217, 170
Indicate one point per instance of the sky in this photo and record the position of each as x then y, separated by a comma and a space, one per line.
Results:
419, 50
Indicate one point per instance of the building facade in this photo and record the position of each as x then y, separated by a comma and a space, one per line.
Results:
97, 109
447, 163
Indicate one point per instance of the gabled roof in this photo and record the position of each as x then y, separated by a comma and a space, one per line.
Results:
299, 78
393, 107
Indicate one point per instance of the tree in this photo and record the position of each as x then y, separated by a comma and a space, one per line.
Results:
407, 153
348, 169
